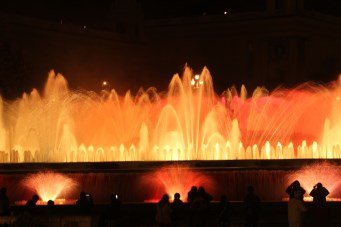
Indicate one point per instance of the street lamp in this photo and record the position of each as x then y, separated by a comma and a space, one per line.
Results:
105, 86
196, 82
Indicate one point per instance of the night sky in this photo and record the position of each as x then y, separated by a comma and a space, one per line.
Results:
98, 14
78, 11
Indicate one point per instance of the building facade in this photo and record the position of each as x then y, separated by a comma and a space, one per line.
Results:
280, 43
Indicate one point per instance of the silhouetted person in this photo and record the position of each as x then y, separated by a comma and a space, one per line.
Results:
28, 218
32, 204
50, 207
295, 210
319, 194
177, 210
319, 209
200, 208
206, 196
50, 203
112, 214
252, 206
163, 212
84, 203
224, 212
295, 186
115, 203
4, 202
115, 206
192, 194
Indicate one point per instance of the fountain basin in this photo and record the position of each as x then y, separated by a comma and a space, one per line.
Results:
270, 178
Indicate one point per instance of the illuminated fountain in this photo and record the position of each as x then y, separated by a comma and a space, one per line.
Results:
187, 123
50, 186
175, 179
326, 173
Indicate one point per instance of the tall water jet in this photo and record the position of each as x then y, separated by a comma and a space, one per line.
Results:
189, 122
331, 136
4, 154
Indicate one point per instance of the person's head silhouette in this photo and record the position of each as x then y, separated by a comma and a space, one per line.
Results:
194, 189
177, 196
296, 184
50, 203
201, 190
319, 185
165, 198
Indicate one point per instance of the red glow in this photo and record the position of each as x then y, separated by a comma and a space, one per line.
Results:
49, 185
326, 173
44, 203
176, 178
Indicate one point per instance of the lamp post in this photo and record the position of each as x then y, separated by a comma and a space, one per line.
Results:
105, 88
196, 82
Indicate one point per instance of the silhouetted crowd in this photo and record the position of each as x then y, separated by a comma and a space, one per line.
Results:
193, 213
172, 214
296, 207
199, 205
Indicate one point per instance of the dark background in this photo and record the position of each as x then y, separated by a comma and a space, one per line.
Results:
133, 43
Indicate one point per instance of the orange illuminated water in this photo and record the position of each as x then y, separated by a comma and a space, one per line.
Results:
188, 122
44, 203
175, 179
326, 173
50, 186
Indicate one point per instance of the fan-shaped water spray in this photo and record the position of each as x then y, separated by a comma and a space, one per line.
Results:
187, 123
50, 185
175, 179
326, 173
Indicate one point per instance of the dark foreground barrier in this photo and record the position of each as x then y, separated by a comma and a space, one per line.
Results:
143, 214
